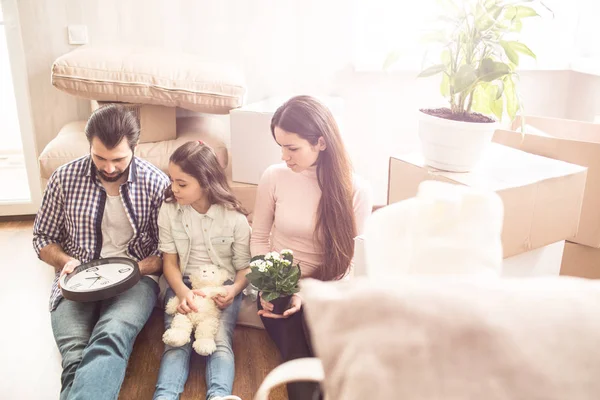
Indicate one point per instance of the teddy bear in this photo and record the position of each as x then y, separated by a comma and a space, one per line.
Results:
209, 278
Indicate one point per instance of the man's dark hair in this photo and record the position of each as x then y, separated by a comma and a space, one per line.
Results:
110, 124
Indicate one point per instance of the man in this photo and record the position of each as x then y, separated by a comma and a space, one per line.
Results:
101, 205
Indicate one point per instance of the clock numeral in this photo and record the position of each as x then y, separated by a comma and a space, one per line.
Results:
123, 270
105, 282
93, 269
75, 286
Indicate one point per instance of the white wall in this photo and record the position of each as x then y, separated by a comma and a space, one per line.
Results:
583, 102
284, 46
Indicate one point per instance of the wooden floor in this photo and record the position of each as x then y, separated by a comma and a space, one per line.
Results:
30, 367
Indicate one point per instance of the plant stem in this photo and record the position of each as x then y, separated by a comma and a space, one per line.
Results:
470, 102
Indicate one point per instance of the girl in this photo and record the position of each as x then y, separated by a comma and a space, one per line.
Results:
312, 205
201, 222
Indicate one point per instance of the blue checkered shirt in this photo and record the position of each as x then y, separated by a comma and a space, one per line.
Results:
73, 206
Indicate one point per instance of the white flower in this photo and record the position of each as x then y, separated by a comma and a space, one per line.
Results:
286, 262
269, 264
272, 256
256, 263
262, 267
287, 251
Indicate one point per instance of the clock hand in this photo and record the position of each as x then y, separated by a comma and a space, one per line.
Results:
94, 282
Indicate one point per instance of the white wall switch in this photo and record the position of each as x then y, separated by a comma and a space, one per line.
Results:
78, 34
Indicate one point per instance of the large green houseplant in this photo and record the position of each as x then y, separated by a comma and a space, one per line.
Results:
479, 50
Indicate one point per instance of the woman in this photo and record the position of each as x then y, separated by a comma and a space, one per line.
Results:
312, 205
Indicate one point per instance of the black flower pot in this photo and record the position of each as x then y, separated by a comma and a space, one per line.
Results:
281, 304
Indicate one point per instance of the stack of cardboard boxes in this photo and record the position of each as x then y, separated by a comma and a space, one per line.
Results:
542, 201
578, 143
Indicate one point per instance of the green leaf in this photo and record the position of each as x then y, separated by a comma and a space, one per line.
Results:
511, 53
525, 12
446, 57
435, 69
512, 101
465, 77
500, 91
269, 296
391, 59
510, 13
490, 70
481, 101
516, 26
521, 48
497, 107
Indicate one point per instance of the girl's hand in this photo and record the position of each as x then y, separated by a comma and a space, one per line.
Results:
295, 306
224, 301
186, 303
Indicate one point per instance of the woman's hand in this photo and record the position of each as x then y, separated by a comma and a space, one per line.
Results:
295, 306
186, 303
224, 301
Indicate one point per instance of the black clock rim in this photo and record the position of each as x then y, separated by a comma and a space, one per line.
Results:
105, 293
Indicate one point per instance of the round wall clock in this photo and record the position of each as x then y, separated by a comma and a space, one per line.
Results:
100, 279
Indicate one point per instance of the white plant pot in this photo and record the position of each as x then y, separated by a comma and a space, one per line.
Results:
454, 146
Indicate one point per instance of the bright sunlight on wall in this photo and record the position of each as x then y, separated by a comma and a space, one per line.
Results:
567, 33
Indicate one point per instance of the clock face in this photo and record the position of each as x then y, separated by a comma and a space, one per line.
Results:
100, 279
100, 276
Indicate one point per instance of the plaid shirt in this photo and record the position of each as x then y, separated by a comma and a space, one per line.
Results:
73, 206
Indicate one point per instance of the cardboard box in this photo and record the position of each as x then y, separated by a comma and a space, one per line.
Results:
246, 194
571, 141
544, 261
157, 123
542, 197
253, 148
581, 261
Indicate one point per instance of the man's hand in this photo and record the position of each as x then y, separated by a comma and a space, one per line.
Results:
224, 301
68, 268
186, 303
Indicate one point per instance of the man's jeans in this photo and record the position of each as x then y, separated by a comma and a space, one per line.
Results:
220, 365
95, 340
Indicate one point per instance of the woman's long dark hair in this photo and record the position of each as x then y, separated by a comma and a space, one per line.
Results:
200, 161
335, 226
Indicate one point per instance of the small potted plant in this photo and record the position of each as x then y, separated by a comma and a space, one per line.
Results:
479, 51
276, 276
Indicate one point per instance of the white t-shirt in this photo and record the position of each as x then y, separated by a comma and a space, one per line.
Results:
116, 229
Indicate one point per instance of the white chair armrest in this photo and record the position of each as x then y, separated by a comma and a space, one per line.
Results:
301, 369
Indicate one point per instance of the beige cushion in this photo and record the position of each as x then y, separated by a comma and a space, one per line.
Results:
157, 123
149, 76
417, 338
71, 143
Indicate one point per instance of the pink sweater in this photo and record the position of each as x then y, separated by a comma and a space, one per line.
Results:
285, 214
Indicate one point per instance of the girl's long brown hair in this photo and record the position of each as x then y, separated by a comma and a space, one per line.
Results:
335, 225
200, 161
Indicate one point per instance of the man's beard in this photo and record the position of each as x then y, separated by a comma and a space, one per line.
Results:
115, 178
